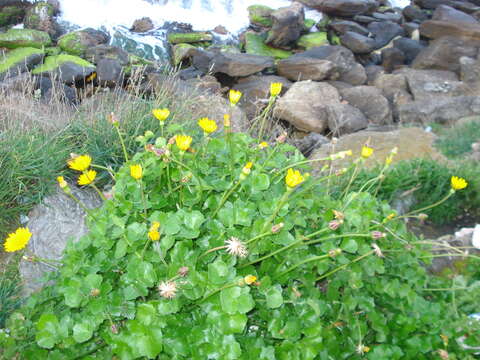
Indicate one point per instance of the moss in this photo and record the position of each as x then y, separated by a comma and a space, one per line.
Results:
180, 52
17, 57
255, 44
53, 62
260, 15
71, 43
15, 38
313, 39
322, 25
308, 24
193, 37
137, 60
11, 15
50, 51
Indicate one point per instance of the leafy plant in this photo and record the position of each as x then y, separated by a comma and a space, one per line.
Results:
458, 140
228, 250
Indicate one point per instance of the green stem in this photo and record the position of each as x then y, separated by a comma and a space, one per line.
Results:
263, 116
144, 201
345, 265
87, 211
216, 291
258, 237
271, 254
337, 237
427, 207
354, 175
225, 197
99, 192
320, 257
281, 203
106, 169
123, 143
212, 250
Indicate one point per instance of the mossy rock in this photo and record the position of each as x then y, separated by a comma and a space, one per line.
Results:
312, 40
255, 44
181, 52
11, 15
20, 60
16, 38
77, 42
137, 60
322, 25
308, 24
188, 38
260, 15
53, 50
67, 68
37, 13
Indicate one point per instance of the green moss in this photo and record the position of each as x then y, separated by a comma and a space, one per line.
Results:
53, 50
11, 15
313, 39
137, 60
71, 43
254, 44
53, 62
180, 52
308, 24
16, 38
17, 57
260, 15
194, 37
323, 23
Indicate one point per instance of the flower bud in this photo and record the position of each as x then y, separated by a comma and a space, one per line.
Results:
112, 119
95, 292
114, 329
335, 252
378, 235
422, 217
183, 271
334, 224
277, 227
281, 139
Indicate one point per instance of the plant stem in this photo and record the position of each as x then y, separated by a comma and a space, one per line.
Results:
345, 265
311, 242
427, 207
122, 143
271, 254
144, 201
99, 192
320, 257
225, 197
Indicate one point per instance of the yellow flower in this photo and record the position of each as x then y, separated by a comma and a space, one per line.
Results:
247, 168
17, 240
161, 114
234, 96
226, 120
275, 89
183, 142
136, 171
208, 126
293, 178
366, 151
80, 162
458, 183
263, 145
250, 279
87, 177
61, 182
154, 235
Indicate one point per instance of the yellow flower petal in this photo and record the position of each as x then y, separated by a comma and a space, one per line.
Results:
275, 89
61, 182
87, 177
250, 279
136, 171
263, 145
226, 120
208, 126
80, 163
234, 96
154, 235
161, 114
17, 240
293, 178
366, 152
183, 142
458, 183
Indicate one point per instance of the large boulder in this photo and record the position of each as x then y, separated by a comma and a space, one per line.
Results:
260, 15
371, 102
15, 38
342, 8
299, 68
77, 42
66, 68
142, 25
345, 119
305, 105
239, 64
12, 12
412, 142
53, 223
96, 53
434, 29
19, 60
41, 17
342, 26
287, 25
444, 53
255, 45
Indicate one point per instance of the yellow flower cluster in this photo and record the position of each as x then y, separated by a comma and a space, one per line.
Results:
161, 114
293, 178
458, 183
366, 152
153, 233
207, 125
17, 240
80, 162
275, 89
183, 142
87, 177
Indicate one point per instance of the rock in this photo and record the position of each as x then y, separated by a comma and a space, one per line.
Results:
15, 38
392, 58
55, 92
188, 38
346, 68
12, 13
442, 110
260, 15
465, 6
372, 72
434, 29
393, 17
77, 42
414, 13
53, 223
220, 29
342, 8
206, 84
395, 88
96, 53
358, 44
362, 19
307, 142
19, 60
239, 64
300, 105
410, 48
298, 68
470, 72
412, 142
256, 91
142, 25
255, 45
189, 73
384, 32
371, 102
66, 68
41, 17
201, 59
109, 72
287, 25
182, 52
429, 84
449, 14
311, 40
444, 53
341, 27
345, 119
412, 30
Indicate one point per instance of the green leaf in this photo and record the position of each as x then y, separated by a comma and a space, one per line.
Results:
274, 297
47, 331
83, 331
236, 300
349, 245
193, 220
172, 225
260, 182
218, 271
120, 249
146, 313
231, 324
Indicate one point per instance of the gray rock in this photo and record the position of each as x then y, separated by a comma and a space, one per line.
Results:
305, 105
110, 72
96, 53
299, 68
287, 25
19, 61
409, 47
41, 17
392, 58
384, 32
345, 119
371, 102
142, 25
307, 142
359, 44
341, 27
56, 221
343, 8
239, 64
